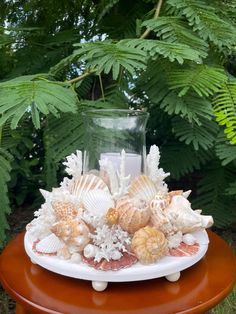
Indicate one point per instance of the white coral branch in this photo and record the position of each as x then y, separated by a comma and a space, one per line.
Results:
110, 242
74, 164
123, 180
156, 174
107, 166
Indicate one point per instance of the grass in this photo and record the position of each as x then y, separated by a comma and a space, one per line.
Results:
228, 306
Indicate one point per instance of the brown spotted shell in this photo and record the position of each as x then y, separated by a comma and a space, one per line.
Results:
72, 232
112, 216
149, 245
132, 218
64, 210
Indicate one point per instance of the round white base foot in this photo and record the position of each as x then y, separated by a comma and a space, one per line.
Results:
173, 277
99, 285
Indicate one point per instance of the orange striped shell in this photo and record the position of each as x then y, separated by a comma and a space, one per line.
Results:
132, 218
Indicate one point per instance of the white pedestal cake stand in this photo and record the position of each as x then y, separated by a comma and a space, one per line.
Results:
168, 266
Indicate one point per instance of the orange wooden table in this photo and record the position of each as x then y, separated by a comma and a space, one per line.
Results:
37, 290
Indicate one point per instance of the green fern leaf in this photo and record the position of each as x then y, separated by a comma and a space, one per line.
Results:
191, 107
211, 195
5, 168
175, 30
205, 21
202, 135
180, 159
34, 96
106, 56
225, 152
157, 48
104, 7
231, 190
224, 105
202, 79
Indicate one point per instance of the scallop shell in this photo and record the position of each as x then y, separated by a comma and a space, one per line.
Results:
72, 232
49, 245
132, 218
143, 189
184, 250
125, 261
81, 185
64, 210
149, 244
97, 202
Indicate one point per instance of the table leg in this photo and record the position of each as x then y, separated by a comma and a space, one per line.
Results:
21, 310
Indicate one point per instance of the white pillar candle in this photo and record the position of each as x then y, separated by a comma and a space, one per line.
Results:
132, 162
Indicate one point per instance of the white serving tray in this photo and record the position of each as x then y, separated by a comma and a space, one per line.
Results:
166, 266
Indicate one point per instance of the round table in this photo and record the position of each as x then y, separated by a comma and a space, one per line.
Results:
37, 290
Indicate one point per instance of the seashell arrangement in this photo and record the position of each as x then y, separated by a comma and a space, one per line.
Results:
107, 221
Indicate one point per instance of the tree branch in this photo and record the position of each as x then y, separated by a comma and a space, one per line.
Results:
157, 12
81, 77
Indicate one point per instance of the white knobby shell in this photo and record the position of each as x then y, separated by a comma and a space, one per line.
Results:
50, 244
97, 202
183, 217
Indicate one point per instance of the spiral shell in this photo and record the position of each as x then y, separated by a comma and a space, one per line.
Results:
81, 185
149, 245
64, 210
142, 189
132, 218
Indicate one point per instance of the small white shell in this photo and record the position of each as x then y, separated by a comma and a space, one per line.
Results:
75, 258
97, 202
189, 239
175, 240
90, 250
50, 244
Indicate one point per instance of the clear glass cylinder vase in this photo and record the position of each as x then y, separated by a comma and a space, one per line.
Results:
108, 132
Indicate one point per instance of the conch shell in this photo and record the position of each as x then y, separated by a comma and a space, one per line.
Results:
149, 244
131, 218
72, 232
184, 218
